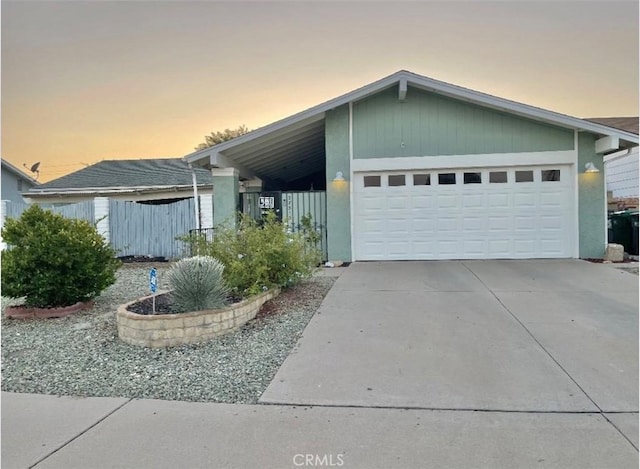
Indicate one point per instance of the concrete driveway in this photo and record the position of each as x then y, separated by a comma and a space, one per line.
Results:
406, 365
521, 336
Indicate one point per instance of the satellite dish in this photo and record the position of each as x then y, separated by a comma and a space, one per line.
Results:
34, 167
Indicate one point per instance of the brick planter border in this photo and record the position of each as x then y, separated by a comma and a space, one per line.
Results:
28, 312
168, 330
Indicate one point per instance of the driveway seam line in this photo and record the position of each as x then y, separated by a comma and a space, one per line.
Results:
447, 409
549, 354
66, 443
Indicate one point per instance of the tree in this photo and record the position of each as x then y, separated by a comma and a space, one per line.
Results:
222, 136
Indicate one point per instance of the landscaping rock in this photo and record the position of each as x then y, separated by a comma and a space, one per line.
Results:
614, 253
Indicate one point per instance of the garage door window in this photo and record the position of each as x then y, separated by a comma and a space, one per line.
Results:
472, 178
396, 180
550, 175
421, 179
446, 178
524, 176
372, 181
497, 177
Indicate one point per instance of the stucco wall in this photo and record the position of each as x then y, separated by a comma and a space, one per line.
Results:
338, 193
591, 200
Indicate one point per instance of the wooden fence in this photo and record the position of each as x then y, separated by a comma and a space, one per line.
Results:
137, 229
133, 229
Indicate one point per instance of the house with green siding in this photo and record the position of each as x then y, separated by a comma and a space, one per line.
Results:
412, 168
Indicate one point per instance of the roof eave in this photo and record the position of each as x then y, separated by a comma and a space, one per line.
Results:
428, 84
110, 190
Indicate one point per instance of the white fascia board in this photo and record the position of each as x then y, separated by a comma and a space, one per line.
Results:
107, 190
608, 143
464, 161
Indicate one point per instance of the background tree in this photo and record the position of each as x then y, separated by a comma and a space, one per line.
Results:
222, 136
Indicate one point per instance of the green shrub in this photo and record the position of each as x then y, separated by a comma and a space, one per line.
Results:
197, 284
258, 256
53, 260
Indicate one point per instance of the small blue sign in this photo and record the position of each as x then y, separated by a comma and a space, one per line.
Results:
153, 280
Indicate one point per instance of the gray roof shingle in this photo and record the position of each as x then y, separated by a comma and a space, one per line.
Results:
630, 124
131, 174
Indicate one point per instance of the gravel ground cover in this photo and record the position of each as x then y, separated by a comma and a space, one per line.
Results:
81, 355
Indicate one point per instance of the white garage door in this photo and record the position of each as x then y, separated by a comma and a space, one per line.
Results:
496, 213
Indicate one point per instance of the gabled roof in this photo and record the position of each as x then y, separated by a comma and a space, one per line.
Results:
127, 174
306, 119
628, 124
6, 166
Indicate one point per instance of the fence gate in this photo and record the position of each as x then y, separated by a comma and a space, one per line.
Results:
290, 207
150, 230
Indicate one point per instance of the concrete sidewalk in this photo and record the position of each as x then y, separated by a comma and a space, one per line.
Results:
61, 432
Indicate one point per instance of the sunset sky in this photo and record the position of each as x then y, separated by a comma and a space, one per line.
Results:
88, 81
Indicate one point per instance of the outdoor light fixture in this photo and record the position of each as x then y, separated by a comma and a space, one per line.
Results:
339, 177
590, 168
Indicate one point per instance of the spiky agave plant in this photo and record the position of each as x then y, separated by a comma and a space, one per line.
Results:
197, 284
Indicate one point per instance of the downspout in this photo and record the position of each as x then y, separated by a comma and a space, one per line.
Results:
195, 196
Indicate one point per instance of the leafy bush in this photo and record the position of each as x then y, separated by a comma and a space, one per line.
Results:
258, 256
197, 284
53, 260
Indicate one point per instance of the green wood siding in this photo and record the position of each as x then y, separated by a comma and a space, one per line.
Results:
591, 199
338, 203
427, 124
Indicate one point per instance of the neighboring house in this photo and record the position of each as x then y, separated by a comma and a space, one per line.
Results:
621, 168
152, 180
14, 182
415, 168
140, 206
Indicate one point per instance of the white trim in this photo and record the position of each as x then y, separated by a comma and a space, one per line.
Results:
619, 154
114, 189
225, 172
351, 182
576, 195
606, 208
608, 143
464, 161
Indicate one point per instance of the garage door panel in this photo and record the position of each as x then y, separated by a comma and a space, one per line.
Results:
497, 219
525, 200
499, 223
423, 201
447, 249
448, 201
473, 200
498, 201
473, 224
397, 202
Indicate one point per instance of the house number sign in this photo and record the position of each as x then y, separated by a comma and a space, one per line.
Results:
267, 202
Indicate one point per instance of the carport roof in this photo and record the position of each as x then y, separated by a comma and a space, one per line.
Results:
294, 146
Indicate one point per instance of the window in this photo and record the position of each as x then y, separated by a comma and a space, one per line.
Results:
372, 181
396, 180
472, 178
524, 176
422, 179
446, 178
497, 177
550, 175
